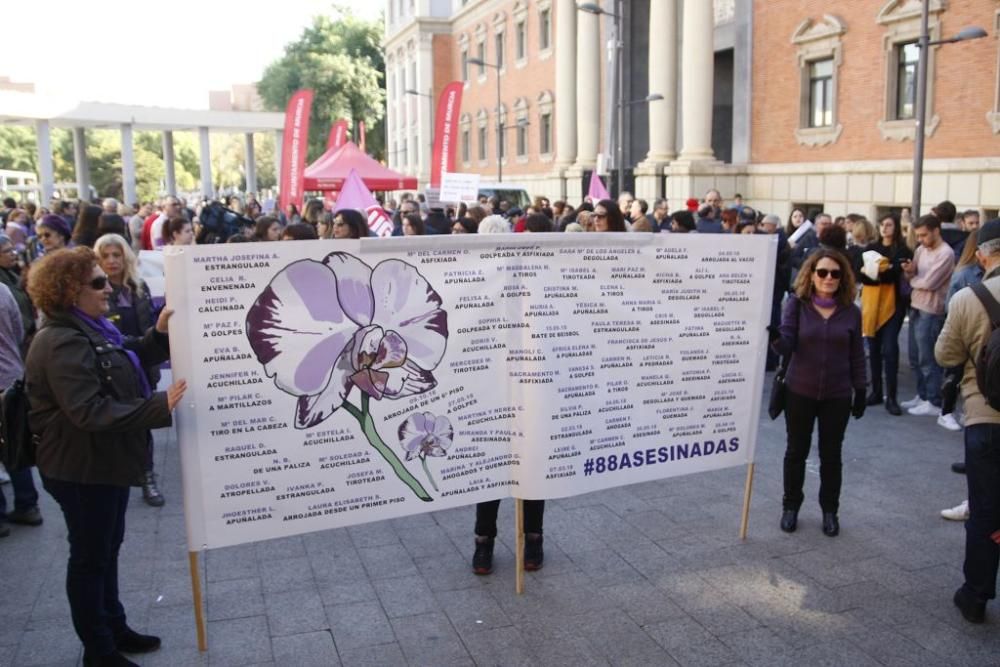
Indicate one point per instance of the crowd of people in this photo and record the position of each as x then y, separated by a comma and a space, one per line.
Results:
70, 290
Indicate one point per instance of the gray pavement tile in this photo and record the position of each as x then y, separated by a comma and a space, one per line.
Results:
429, 639
405, 596
378, 534
619, 639
345, 562
328, 541
603, 567
389, 560
472, 610
231, 563
341, 590
758, 646
283, 547
287, 574
499, 647
383, 655
52, 645
312, 649
7, 655
643, 603
690, 644
449, 572
720, 617
295, 612
359, 624
234, 598
13, 623
175, 626
426, 541
553, 645
239, 641
830, 654
893, 649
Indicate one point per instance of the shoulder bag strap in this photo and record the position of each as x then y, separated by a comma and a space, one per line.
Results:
989, 303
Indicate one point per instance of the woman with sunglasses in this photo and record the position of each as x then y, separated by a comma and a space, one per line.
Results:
130, 309
52, 233
608, 217
91, 406
825, 381
349, 224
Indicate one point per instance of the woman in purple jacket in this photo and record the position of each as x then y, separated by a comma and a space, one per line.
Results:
821, 330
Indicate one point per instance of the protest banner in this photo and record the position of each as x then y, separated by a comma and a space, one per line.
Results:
457, 188
334, 383
295, 139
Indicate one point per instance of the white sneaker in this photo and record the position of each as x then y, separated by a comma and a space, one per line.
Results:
958, 513
912, 403
948, 421
924, 409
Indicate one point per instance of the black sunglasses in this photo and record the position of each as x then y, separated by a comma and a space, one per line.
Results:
823, 273
99, 283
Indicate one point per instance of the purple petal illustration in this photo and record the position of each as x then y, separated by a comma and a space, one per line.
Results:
407, 304
422, 435
297, 330
354, 286
312, 410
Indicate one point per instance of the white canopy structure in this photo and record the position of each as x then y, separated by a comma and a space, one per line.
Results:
44, 112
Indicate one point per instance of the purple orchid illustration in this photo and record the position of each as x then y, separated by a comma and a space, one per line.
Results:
422, 435
321, 329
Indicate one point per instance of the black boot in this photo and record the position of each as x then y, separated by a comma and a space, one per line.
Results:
131, 641
150, 493
789, 520
891, 404
482, 560
534, 556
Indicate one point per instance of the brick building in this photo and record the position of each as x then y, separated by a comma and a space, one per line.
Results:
790, 102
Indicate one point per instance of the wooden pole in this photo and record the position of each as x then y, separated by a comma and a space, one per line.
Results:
745, 519
199, 614
519, 546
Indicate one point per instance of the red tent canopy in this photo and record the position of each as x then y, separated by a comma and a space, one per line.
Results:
330, 171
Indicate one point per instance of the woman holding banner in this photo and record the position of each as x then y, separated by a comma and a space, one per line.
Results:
825, 381
486, 532
91, 406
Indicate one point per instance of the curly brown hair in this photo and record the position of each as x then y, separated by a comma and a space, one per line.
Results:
56, 280
804, 281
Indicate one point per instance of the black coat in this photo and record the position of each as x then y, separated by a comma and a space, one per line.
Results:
87, 409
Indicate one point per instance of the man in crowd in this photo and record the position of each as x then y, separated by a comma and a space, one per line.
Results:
625, 203
970, 221
810, 240
964, 334
713, 198
929, 274
637, 210
152, 231
110, 205
951, 232
661, 215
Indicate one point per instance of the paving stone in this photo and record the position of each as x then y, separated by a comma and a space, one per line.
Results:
234, 598
430, 639
358, 625
287, 574
405, 596
239, 641
295, 612
372, 656
690, 644
499, 647
312, 649
53, 645
619, 639
472, 610
387, 561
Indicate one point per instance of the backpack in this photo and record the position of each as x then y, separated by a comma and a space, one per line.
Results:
988, 361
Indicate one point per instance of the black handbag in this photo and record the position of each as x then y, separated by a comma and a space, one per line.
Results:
17, 444
776, 404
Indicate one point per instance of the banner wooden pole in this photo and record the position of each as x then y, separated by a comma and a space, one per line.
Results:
519, 546
199, 614
745, 519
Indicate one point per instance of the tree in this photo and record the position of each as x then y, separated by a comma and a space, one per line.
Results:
340, 59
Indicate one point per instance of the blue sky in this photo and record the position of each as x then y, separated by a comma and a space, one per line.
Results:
152, 52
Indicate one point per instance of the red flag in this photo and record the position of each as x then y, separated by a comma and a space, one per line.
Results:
293, 148
446, 120
361, 136
338, 134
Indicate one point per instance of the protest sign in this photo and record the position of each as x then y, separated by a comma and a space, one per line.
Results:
457, 188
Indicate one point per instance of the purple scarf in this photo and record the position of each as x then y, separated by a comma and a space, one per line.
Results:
112, 335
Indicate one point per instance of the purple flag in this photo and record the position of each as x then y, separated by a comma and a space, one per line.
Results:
355, 194
597, 191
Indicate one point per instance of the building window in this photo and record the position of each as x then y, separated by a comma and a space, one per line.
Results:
481, 54
482, 143
466, 145
545, 29
465, 65
821, 93
482, 135
522, 139
819, 45
521, 40
502, 133
901, 20
907, 56
501, 61
545, 134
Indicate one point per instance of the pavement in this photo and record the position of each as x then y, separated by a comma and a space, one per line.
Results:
650, 574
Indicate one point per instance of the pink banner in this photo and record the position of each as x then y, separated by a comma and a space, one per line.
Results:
355, 194
448, 108
338, 134
597, 191
293, 149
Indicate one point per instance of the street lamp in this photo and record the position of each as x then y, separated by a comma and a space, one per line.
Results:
923, 43
482, 63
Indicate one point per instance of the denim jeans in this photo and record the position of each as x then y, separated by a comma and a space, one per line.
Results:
25, 495
982, 474
831, 415
95, 524
486, 517
924, 330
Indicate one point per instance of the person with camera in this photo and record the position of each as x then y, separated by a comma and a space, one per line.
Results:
91, 406
821, 332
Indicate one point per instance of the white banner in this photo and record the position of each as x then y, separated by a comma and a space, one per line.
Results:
456, 187
340, 382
